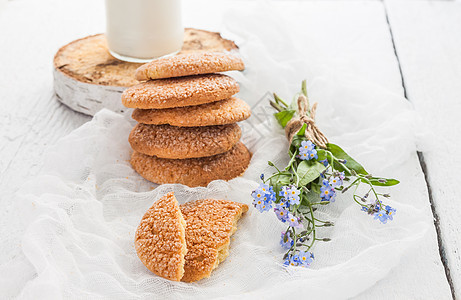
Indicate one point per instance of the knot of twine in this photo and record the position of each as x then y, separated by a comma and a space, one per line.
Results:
312, 132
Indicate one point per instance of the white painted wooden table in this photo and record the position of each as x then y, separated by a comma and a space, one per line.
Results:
412, 48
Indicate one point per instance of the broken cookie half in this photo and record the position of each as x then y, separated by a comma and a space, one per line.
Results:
192, 254
160, 239
210, 224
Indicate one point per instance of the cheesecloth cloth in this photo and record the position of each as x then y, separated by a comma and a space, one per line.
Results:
79, 216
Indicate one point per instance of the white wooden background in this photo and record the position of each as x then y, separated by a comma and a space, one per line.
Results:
412, 48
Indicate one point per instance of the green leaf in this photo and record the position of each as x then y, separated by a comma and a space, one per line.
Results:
280, 180
302, 130
308, 172
339, 167
315, 187
283, 179
303, 209
322, 154
351, 163
296, 142
376, 181
313, 196
284, 117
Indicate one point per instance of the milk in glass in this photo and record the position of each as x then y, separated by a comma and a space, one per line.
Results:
141, 30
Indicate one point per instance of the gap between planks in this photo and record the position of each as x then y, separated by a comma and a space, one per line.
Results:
424, 169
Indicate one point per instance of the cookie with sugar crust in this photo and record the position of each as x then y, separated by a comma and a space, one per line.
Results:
210, 225
165, 141
180, 91
193, 171
160, 239
227, 111
189, 64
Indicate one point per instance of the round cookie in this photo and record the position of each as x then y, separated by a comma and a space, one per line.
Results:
173, 142
193, 171
227, 111
179, 92
189, 64
210, 224
160, 239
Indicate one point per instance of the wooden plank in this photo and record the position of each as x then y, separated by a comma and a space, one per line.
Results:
31, 118
428, 43
350, 36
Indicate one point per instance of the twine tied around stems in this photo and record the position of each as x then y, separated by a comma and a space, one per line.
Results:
306, 116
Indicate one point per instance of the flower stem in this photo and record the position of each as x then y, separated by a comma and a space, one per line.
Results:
293, 158
279, 100
313, 226
276, 106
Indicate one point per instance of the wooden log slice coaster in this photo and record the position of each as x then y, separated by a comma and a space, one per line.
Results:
87, 78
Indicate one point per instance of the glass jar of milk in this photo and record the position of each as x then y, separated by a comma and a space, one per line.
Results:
141, 30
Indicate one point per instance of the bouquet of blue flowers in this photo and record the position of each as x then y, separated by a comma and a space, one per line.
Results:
316, 172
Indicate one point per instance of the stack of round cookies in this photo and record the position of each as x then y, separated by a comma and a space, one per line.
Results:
187, 131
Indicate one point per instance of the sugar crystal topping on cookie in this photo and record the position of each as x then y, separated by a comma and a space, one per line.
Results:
180, 91
160, 239
210, 224
216, 113
193, 171
189, 64
167, 141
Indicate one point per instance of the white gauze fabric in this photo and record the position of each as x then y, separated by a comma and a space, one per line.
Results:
80, 215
